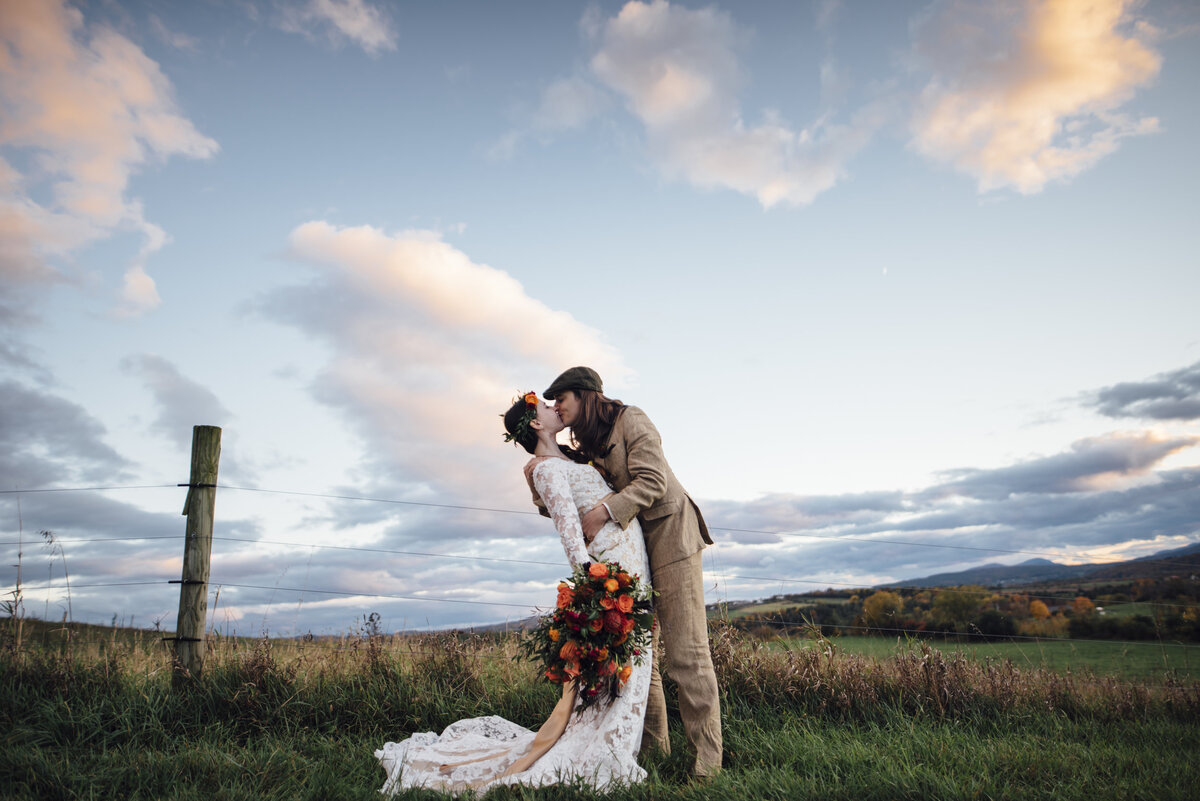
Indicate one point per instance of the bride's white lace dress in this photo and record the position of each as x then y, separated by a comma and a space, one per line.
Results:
599, 745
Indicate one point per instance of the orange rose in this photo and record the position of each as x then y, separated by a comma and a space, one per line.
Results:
566, 596
628, 625
625, 671
625, 603
611, 585
531, 399
598, 570
553, 634
608, 603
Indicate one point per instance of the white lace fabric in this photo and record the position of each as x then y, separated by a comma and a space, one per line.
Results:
600, 744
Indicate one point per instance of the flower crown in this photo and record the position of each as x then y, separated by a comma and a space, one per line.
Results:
531, 407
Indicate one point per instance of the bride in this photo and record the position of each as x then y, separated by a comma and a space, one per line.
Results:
597, 745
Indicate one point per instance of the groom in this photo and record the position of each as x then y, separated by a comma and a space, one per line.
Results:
623, 442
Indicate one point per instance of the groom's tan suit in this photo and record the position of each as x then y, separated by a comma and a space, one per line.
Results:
675, 533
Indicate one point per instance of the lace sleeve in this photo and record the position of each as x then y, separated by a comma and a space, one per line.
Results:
551, 484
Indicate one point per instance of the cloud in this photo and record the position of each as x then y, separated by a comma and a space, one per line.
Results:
679, 73
427, 349
1166, 396
84, 107
1092, 463
46, 440
182, 403
341, 20
565, 105
1026, 92
1103, 492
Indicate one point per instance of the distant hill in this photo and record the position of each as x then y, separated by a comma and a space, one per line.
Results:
1185, 560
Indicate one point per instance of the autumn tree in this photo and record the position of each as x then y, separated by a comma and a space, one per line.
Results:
957, 607
1038, 610
882, 607
1083, 606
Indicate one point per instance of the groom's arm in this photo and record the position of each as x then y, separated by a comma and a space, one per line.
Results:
647, 468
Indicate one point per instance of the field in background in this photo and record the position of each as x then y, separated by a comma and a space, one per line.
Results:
97, 717
1141, 661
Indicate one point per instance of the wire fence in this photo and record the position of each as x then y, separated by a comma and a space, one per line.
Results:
531, 608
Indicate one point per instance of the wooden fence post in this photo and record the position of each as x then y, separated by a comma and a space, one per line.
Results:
197, 548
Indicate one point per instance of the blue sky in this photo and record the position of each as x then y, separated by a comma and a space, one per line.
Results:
915, 271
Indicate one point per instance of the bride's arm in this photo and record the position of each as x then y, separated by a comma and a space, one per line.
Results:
551, 485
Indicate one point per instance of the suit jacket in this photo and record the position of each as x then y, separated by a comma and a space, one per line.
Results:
647, 489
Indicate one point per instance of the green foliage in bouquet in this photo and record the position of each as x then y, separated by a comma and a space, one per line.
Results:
598, 631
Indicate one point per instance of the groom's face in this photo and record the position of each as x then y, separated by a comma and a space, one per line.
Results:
567, 406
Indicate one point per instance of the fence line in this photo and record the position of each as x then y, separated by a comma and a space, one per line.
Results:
528, 512
534, 607
714, 574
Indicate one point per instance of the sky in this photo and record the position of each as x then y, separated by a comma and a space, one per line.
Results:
906, 287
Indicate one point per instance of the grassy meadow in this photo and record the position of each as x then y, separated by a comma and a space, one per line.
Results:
97, 717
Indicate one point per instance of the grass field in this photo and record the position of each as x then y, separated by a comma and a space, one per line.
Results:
1146, 661
300, 721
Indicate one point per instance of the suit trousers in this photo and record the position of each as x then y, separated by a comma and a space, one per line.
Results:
683, 631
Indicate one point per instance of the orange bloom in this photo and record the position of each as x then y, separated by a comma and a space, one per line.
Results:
608, 603
565, 596
614, 621
598, 570
628, 625
531, 398
625, 671
625, 603
596, 624
623, 579
569, 651
602, 654
611, 585
553, 634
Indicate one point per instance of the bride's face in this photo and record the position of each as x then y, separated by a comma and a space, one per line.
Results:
548, 418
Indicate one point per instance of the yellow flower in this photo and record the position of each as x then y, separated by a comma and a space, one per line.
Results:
611, 585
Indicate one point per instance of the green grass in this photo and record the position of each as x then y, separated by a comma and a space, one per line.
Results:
284, 721
1141, 661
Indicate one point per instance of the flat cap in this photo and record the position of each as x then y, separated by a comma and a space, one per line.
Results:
575, 378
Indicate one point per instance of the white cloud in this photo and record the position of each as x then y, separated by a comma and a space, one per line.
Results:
566, 104
678, 70
85, 108
427, 349
1024, 93
355, 20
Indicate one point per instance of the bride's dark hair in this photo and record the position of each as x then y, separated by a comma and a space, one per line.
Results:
597, 414
526, 437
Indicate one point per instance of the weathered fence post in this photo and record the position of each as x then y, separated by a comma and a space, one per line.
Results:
197, 548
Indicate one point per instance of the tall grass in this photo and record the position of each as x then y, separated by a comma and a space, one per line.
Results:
300, 720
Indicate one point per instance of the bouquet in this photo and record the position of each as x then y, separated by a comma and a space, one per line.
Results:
599, 630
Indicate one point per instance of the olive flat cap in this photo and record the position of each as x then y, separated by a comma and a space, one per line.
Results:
575, 378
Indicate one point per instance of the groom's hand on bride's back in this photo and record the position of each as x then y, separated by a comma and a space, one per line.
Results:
594, 520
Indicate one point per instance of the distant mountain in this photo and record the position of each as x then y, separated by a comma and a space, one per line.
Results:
1038, 570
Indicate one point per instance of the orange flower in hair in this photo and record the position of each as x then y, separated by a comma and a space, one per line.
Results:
531, 399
